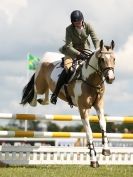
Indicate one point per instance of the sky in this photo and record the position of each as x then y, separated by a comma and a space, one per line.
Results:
38, 26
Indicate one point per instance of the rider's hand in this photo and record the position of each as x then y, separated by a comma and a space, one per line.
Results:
82, 56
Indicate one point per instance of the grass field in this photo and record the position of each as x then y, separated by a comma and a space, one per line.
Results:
67, 171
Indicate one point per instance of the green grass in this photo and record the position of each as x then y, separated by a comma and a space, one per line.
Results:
67, 171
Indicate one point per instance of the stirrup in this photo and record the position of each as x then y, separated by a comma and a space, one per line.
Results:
53, 99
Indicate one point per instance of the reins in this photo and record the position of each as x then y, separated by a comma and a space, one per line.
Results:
98, 85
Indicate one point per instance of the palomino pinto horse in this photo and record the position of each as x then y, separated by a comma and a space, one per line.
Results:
85, 92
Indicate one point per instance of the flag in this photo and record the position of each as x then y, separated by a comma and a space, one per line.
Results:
33, 62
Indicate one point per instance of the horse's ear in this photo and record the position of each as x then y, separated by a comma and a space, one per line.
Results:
101, 44
112, 44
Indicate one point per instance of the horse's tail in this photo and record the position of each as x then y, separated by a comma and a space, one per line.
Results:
28, 91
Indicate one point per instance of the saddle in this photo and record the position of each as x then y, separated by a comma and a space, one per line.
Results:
75, 72
77, 64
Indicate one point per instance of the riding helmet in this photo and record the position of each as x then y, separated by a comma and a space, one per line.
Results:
76, 16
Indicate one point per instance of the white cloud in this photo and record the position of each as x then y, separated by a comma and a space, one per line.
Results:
119, 92
39, 26
124, 57
11, 7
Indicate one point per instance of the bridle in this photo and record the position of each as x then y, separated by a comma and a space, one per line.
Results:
106, 69
99, 71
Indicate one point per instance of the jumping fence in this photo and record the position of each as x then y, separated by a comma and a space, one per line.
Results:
36, 155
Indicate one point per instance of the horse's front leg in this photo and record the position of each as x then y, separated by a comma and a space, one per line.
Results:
102, 122
89, 136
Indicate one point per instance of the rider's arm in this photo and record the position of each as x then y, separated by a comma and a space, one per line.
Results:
90, 31
69, 44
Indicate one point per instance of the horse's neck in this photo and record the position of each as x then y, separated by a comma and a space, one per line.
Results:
90, 68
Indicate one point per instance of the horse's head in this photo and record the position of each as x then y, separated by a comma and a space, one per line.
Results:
106, 61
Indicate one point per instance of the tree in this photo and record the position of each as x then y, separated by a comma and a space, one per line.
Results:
77, 128
52, 127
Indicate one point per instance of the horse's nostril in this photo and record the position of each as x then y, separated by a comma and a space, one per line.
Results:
109, 80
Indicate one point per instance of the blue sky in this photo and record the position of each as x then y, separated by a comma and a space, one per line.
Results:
38, 26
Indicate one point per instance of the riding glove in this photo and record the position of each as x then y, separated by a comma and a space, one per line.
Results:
82, 56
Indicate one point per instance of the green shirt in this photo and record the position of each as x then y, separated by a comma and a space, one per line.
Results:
76, 41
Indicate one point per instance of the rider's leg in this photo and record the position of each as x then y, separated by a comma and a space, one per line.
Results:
63, 79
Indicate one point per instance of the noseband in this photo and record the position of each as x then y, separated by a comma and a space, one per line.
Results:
106, 69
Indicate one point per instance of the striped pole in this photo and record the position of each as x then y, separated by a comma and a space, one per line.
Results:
38, 134
48, 117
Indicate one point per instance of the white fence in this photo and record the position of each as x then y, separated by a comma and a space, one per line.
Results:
43, 155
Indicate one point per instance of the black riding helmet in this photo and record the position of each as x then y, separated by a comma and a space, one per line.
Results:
76, 16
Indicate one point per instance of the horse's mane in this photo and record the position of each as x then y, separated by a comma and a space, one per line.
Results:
88, 54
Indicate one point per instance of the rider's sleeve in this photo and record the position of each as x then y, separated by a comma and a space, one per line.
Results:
69, 45
93, 35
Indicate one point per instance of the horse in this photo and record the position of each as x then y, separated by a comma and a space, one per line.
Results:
86, 91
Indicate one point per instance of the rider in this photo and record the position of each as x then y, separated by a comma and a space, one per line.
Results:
76, 41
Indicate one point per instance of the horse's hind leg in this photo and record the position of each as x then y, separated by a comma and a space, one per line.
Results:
34, 100
44, 101
41, 85
89, 136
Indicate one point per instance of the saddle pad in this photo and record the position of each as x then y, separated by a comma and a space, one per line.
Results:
56, 71
56, 59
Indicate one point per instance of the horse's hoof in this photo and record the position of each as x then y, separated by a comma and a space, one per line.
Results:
94, 164
106, 152
43, 102
39, 101
33, 104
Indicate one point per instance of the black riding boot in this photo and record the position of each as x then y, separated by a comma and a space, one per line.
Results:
61, 81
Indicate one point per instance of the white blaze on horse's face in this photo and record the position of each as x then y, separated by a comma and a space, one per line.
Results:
107, 56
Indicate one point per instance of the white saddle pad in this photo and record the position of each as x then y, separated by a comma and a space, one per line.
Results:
56, 59
56, 71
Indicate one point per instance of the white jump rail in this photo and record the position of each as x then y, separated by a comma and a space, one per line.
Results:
38, 134
48, 117
44, 155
